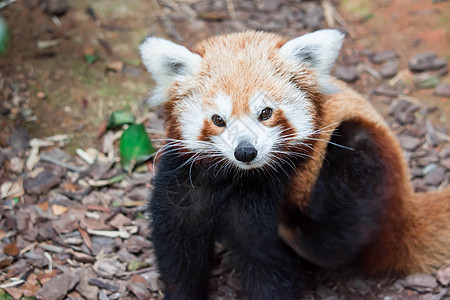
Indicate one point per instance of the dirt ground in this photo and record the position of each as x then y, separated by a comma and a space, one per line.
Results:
66, 73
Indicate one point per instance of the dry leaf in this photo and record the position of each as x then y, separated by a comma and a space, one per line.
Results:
11, 249
86, 238
2, 234
58, 209
43, 205
16, 293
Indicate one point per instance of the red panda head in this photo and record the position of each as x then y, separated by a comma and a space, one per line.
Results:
246, 99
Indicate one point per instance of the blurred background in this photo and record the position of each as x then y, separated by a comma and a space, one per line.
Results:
72, 220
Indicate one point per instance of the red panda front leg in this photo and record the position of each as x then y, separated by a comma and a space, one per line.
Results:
268, 268
346, 202
183, 230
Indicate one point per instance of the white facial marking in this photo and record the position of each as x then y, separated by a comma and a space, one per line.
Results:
191, 114
297, 110
247, 127
224, 106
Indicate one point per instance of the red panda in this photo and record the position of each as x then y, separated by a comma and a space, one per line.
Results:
281, 163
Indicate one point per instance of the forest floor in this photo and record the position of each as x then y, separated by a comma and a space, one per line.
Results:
68, 231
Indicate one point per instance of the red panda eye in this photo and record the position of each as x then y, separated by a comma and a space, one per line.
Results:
218, 121
265, 114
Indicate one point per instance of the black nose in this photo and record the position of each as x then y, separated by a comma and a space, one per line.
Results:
245, 152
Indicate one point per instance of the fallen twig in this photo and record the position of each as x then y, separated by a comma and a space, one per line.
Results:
5, 3
49, 159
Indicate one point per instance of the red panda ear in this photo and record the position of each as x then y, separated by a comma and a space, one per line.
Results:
317, 51
167, 62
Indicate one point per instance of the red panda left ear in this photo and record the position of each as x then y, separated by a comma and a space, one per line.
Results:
167, 62
317, 51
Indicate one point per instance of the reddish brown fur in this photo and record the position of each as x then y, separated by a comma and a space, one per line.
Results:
415, 236
209, 130
416, 227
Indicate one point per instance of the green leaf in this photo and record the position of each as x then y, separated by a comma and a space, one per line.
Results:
135, 265
90, 59
4, 36
119, 118
135, 146
5, 296
105, 182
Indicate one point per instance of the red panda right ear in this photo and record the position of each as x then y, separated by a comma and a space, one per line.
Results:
168, 63
316, 51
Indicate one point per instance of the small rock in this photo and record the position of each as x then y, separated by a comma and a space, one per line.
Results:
442, 90
58, 154
417, 172
438, 296
70, 220
58, 287
269, 5
125, 256
443, 275
347, 74
119, 221
404, 117
102, 296
445, 152
435, 177
108, 267
416, 130
431, 136
425, 62
397, 106
46, 179
151, 279
326, 293
139, 289
105, 244
381, 57
103, 285
313, 16
389, 69
425, 161
358, 286
88, 291
446, 163
420, 282
16, 165
3, 158
36, 258
19, 140
131, 71
137, 243
410, 143
99, 169
419, 185
55, 7
139, 194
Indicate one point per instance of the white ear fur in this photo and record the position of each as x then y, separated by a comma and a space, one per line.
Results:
167, 62
318, 51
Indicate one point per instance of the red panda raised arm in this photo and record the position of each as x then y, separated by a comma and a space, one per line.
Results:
278, 161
